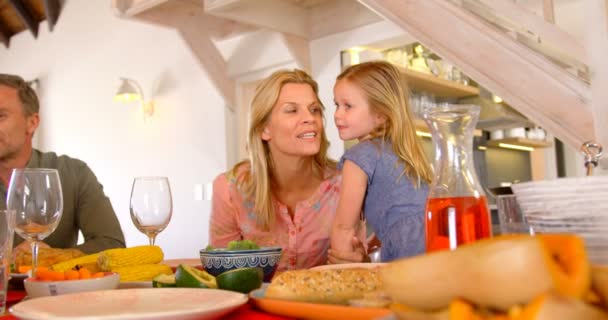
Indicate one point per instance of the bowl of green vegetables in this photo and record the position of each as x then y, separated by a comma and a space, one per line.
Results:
241, 254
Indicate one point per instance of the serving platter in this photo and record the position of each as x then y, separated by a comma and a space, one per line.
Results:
304, 310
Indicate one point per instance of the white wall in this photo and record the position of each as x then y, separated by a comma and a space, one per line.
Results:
79, 64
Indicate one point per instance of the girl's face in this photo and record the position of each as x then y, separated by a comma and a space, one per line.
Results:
296, 122
353, 117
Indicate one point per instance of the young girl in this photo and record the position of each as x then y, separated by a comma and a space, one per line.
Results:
386, 175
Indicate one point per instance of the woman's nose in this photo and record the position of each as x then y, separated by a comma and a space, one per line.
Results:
308, 116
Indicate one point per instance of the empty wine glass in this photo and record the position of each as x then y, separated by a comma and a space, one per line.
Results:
36, 197
151, 205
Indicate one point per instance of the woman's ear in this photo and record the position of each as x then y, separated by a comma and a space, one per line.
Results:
266, 134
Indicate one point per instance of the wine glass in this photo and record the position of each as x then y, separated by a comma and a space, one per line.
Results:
151, 205
36, 197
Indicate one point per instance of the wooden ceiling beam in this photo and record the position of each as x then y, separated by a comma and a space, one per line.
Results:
52, 9
189, 19
218, 28
533, 85
546, 31
4, 33
131, 8
299, 49
596, 37
4, 40
25, 15
335, 16
553, 49
549, 11
277, 15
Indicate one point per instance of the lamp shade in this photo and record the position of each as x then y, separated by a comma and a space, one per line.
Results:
128, 91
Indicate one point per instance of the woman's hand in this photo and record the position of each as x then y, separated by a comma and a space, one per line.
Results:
358, 255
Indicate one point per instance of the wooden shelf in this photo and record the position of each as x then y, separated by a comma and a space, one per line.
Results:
439, 87
520, 142
421, 125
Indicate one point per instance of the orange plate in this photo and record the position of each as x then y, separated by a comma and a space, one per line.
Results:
303, 310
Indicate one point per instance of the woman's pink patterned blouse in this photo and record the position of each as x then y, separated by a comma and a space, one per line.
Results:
304, 240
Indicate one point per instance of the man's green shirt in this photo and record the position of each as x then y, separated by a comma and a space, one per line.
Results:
85, 206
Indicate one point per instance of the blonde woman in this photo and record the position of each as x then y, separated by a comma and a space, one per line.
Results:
286, 194
386, 175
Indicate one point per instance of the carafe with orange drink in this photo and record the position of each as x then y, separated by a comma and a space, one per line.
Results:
457, 208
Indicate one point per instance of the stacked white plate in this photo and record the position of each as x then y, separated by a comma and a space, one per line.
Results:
569, 205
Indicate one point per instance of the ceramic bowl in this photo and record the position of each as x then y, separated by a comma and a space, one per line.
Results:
516, 133
569, 205
497, 135
36, 288
217, 261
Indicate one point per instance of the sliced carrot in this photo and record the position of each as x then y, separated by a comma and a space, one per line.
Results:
44, 275
84, 273
24, 269
72, 275
58, 276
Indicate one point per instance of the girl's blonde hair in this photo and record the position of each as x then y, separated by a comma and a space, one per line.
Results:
387, 93
256, 182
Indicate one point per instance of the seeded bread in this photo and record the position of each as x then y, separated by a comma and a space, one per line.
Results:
335, 286
46, 256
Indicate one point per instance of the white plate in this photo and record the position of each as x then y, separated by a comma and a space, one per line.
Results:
135, 284
131, 304
349, 266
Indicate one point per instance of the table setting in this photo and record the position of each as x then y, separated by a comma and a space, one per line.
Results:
545, 276
78, 288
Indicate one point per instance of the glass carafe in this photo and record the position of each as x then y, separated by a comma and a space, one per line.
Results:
457, 208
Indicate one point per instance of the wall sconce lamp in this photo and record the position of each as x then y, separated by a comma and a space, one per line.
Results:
130, 91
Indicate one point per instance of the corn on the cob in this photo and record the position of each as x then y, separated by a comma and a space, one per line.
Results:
88, 261
110, 259
143, 272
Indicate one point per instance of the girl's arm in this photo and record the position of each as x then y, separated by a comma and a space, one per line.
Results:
350, 203
223, 224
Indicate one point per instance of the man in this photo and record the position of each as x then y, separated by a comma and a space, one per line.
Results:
86, 207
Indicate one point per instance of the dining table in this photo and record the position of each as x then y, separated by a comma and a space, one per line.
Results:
245, 312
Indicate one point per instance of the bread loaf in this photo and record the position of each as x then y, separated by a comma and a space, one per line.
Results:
335, 286
46, 256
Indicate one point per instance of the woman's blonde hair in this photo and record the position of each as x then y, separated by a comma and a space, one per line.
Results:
387, 93
256, 182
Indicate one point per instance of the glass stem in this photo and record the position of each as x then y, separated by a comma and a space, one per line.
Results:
34, 246
151, 239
